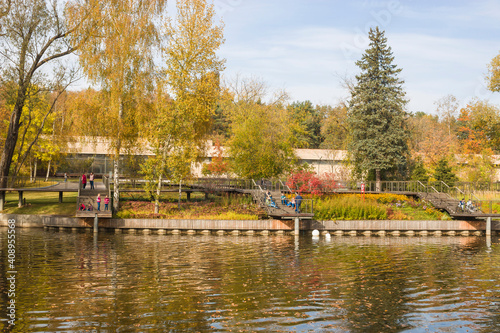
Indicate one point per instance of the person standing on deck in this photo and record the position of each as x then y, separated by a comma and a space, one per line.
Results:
298, 201
98, 201
91, 179
106, 202
84, 181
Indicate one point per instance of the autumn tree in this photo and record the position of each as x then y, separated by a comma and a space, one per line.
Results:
188, 94
334, 127
219, 165
261, 143
447, 110
377, 116
430, 139
478, 128
118, 56
493, 76
33, 35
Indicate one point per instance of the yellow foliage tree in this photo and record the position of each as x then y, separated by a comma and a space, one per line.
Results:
118, 55
187, 93
262, 138
493, 76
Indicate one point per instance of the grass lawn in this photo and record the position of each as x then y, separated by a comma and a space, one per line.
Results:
41, 203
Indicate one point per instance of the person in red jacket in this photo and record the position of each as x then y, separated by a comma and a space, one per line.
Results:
84, 181
106, 202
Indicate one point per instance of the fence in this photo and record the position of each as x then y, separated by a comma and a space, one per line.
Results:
27, 182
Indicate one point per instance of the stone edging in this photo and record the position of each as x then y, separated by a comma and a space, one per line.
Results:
349, 227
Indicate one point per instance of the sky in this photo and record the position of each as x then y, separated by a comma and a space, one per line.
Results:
305, 47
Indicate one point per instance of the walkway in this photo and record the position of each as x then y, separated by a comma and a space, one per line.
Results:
439, 194
88, 197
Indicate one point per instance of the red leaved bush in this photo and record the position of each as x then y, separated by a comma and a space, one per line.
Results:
308, 181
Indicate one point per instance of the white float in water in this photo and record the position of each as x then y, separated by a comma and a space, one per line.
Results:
327, 236
315, 233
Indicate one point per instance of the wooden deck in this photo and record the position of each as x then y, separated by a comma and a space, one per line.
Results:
92, 213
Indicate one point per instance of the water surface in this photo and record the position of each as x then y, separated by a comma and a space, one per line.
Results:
75, 282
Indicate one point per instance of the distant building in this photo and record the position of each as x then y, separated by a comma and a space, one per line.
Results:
93, 154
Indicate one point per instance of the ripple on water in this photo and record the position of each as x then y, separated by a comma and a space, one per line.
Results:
73, 282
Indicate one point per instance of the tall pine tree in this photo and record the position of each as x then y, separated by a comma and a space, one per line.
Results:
376, 115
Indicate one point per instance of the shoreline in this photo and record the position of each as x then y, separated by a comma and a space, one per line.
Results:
177, 226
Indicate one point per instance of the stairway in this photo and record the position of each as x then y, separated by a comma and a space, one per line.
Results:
445, 202
280, 210
89, 196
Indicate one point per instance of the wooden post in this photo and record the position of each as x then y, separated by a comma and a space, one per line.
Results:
188, 194
60, 196
2, 200
297, 226
20, 203
96, 223
488, 226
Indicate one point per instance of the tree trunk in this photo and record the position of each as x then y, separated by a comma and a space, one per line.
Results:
377, 180
116, 184
180, 194
157, 199
31, 170
34, 169
11, 139
48, 172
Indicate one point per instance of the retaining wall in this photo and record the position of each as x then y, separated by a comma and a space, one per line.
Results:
33, 221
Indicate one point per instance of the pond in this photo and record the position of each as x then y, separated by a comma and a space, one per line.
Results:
78, 282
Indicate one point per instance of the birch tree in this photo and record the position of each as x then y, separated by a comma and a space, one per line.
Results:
119, 57
187, 94
262, 137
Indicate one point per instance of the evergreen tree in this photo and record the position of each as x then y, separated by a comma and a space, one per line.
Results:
419, 172
308, 118
376, 115
444, 173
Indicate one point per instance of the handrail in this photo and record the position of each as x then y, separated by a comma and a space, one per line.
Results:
78, 197
285, 186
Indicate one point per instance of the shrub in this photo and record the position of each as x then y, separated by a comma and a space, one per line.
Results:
346, 207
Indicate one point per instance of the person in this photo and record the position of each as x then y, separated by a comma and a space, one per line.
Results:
292, 203
91, 179
461, 204
90, 208
283, 198
84, 181
98, 201
65, 177
82, 206
470, 206
106, 202
298, 201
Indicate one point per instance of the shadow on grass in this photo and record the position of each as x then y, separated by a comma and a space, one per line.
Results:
41, 203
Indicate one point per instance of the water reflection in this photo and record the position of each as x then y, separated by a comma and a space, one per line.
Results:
75, 282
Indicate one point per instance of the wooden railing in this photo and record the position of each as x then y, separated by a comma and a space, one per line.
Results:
27, 182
